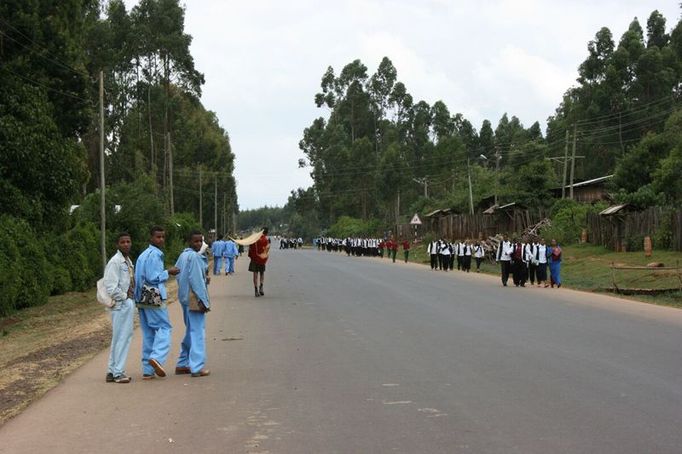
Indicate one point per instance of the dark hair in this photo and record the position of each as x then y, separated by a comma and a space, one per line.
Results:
121, 235
194, 232
156, 228
265, 230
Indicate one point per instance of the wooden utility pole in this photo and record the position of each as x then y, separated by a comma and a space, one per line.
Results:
170, 173
497, 171
563, 186
575, 138
102, 187
201, 201
215, 203
471, 196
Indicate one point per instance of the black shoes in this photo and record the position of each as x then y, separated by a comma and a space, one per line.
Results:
260, 290
255, 290
110, 378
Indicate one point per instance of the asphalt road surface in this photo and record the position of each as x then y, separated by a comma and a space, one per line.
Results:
356, 355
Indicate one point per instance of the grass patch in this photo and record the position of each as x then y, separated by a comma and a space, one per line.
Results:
588, 267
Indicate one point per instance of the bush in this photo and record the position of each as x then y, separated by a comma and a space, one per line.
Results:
25, 280
569, 218
347, 226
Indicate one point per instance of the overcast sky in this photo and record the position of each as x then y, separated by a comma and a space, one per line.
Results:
263, 61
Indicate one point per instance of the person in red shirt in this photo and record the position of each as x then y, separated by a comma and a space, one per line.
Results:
392, 247
258, 253
406, 249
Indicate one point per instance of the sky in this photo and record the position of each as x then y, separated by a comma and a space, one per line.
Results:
263, 61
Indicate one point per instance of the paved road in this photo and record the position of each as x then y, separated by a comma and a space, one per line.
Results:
350, 355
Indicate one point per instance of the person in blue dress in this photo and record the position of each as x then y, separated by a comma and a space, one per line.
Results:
554, 260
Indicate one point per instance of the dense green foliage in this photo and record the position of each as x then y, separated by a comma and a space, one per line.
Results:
377, 148
156, 130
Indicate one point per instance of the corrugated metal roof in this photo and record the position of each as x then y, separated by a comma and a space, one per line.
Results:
612, 209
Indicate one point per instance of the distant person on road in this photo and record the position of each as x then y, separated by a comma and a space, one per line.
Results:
466, 256
230, 251
151, 296
541, 260
194, 300
504, 252
406, 249
258, 253
217, 249
554, 258
479, 254
119, 282
432, 250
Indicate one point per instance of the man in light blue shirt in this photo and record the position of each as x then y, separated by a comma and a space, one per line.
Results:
151, 296
119, 284
230, 251
192, 282
217, 249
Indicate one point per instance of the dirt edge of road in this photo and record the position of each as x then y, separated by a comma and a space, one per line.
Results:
43, 345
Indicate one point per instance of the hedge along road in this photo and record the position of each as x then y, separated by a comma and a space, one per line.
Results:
353, 355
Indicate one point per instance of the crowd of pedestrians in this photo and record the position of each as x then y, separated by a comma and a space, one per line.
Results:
365, 247
525, 261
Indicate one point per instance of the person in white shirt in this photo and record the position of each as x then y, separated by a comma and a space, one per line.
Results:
120, 285
432, 250
458, 247
503, 257
532, 262
541, 259
479, 253
444, 256
466, 256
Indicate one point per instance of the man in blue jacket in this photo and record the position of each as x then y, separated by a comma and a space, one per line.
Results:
230, 251
151, 296
192, 284
217, 249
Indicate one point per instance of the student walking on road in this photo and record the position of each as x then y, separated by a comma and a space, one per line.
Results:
504, 252
194, 300
230, 251
151, 296
119, 282
258, 253
554, 258
406, 250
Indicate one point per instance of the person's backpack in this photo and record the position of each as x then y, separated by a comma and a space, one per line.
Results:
103, 296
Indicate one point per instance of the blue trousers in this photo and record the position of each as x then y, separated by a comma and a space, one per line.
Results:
121, 334
229, 264
555, 272
193, 346
156, 337
217, 265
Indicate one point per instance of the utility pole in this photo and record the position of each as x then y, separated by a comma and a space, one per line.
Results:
497, 171
575, 138
215, 203
170, 173
102, 211
425, 182
471, 196
563, 186
201, 201
224, 212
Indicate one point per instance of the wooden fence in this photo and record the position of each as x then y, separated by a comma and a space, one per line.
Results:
625, 231
461, 226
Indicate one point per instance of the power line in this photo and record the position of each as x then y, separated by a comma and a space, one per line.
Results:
46, 87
